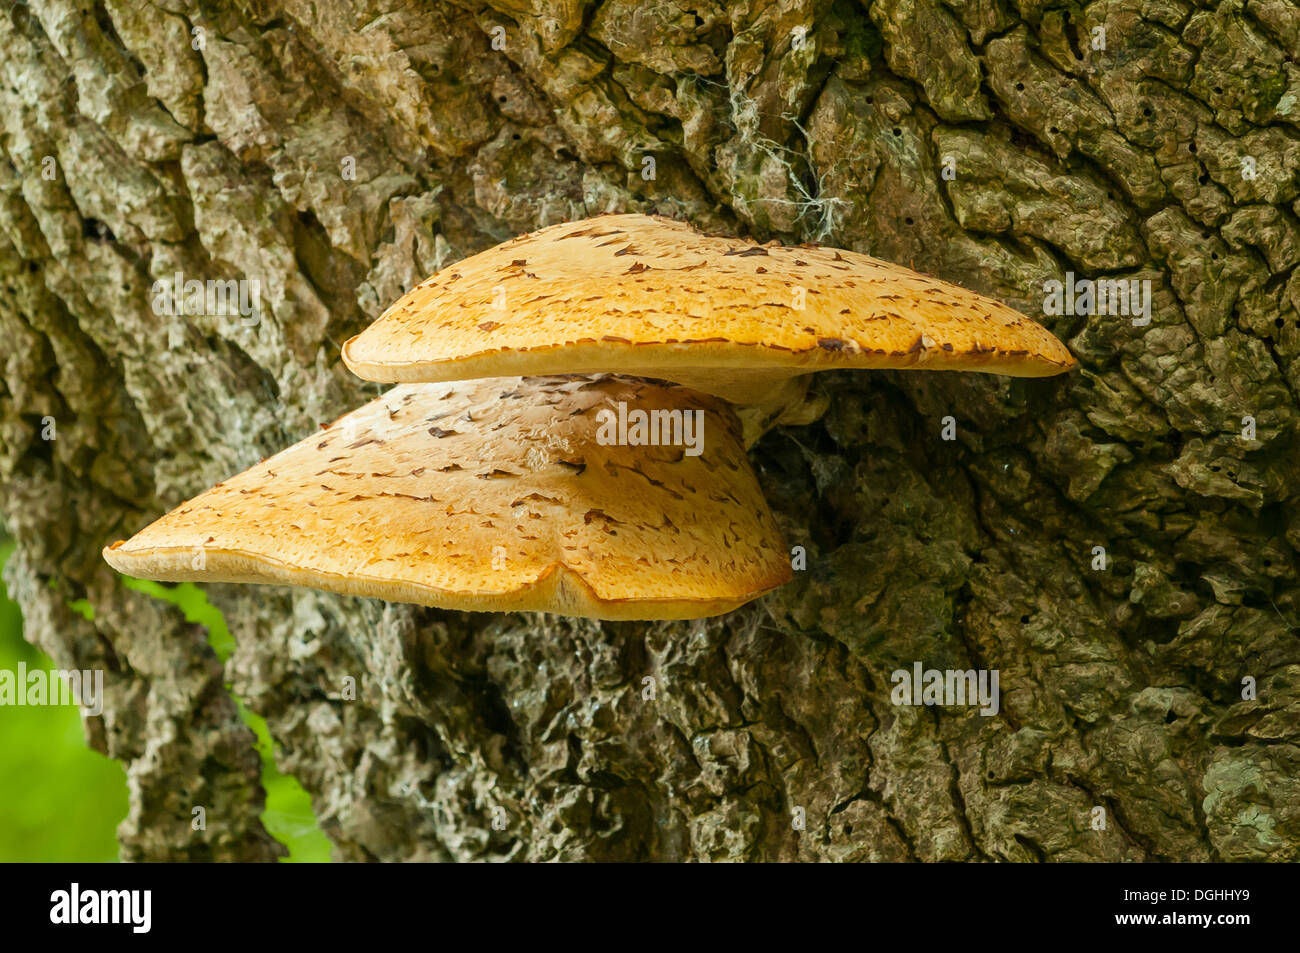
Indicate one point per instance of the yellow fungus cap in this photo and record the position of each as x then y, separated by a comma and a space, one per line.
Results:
643, 295
493, 495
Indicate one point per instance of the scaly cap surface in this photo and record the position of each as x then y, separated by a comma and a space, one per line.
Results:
490, 495
636, 294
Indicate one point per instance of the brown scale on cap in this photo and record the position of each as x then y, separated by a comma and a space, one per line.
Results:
517, 506
643, 295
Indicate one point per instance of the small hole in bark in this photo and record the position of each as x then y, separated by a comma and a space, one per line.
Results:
93, 228
897, 131
501, 99
515, 136
1170, 718
870, 100
1146, 111
908, 221
1214, 256
1024, 620
1191, 147
1020, 86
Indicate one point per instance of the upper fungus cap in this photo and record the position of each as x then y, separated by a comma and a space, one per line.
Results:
492, 495
645, 295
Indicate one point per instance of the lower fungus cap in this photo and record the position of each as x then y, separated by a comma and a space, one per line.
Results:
493, 495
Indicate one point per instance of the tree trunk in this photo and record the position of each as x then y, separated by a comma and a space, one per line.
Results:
1119, 544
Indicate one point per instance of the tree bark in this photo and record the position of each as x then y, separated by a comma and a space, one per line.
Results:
999, 144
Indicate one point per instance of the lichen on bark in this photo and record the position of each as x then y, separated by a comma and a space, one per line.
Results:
338, 153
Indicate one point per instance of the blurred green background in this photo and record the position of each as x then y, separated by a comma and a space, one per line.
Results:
60, 801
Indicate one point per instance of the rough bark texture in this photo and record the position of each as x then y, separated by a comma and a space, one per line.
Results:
222, 154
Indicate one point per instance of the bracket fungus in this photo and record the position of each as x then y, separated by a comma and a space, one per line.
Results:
494, 495
652, 297
484, 482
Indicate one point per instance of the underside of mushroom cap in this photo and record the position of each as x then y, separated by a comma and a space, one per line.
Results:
493, 495
644, 295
